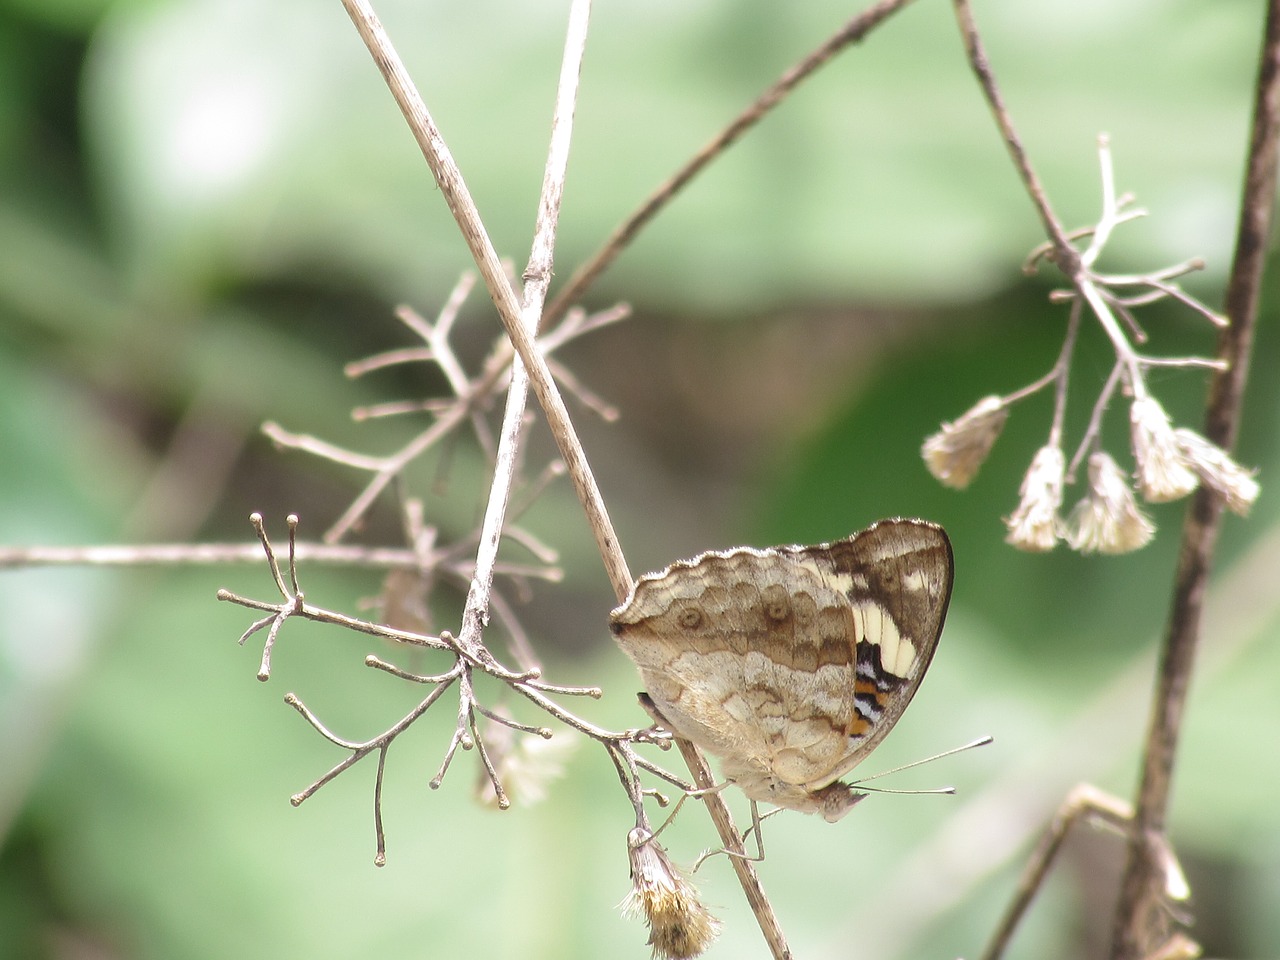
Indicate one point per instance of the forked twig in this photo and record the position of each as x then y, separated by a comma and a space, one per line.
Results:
1170, 462
1089, 802
466, 734
457, 196
1143, 926
449, 179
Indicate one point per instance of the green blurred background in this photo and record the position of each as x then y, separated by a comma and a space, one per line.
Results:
208, 206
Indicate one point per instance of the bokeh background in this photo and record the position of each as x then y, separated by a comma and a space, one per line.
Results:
207, 207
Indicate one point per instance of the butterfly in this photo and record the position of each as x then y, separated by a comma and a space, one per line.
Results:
791, 663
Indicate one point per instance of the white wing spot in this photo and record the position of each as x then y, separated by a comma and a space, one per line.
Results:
917, 581
841, 582
904, 659
867, 627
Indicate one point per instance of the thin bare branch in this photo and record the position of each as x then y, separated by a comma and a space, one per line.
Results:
1064, 254
380, 857
321, 615
379, 664
592, 401
389, 358
1083, 801
449, 179
306, 443
743, 868
582, 279
537, 278
1094, 430
201, 554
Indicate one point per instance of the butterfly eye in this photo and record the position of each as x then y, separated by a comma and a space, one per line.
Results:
690, 618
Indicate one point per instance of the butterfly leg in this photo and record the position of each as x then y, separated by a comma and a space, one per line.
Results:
688, 794
756, 820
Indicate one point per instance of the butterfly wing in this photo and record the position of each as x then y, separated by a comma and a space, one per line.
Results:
897, 577
701, 634
791, 663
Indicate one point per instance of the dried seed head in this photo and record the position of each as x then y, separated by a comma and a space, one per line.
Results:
1108, 519
1034, 525
1164, 472
1218, 471
679, 925
526, 764
954, 454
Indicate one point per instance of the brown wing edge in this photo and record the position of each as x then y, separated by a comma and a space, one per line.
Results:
642, 582
867, 545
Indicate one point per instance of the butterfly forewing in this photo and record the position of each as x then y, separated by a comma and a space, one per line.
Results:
897, 575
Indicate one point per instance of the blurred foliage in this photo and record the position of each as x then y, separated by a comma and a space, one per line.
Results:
208, 206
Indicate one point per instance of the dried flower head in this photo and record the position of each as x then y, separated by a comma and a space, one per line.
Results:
679, 925
954, 454
526, 764
1164, 472
1034, 525
1218, 471
1108, 519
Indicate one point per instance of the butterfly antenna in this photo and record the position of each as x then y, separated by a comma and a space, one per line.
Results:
980, 742
937, 790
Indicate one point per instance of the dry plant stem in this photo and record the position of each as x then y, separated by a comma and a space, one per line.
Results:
1083, 800
1143, 925
1124, 353
388, 468
449, 179
1067, 257
1061, 374
361, 750
436, 337
1076, 266
426, 331
1094, 430
582, 278
450, 413
1140, 925
503, 801
732, 840
517, 638
193, 554
380, 836
537, 279
624, 759
294, 606
466, 733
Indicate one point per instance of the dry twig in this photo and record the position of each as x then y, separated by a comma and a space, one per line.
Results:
1140, 925
1170, 462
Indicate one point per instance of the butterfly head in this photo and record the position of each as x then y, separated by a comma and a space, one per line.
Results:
835, 800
